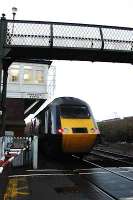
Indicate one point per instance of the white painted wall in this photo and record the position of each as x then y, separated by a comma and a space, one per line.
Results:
20, 89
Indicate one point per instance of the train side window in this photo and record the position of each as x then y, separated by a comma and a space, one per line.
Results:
41, 124
49, 123
46, 122
53, 125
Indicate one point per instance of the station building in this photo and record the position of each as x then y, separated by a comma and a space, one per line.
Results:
29, 85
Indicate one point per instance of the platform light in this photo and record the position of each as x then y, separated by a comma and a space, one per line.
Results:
14, 11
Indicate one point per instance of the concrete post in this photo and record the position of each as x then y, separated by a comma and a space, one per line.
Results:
35, 152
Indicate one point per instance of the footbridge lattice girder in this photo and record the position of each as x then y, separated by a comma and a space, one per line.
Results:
50, 34
69, 41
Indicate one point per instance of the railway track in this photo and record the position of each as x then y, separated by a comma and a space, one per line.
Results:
127, 157
124, 175
108, 157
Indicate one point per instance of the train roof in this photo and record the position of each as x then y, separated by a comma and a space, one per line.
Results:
61, 101
68, 101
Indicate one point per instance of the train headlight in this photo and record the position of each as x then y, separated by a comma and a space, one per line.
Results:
66, 130
92, 130
61, 130
96, 131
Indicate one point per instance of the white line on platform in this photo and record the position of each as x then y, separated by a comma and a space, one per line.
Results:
48, 170
67, 174
126, 198
28, 175
62, 174
57, 170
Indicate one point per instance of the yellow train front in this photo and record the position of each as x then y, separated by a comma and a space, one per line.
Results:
66, 125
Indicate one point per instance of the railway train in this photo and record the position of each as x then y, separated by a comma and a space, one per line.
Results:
65, 125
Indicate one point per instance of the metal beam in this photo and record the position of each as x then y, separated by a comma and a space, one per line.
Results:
69, 41
6, 64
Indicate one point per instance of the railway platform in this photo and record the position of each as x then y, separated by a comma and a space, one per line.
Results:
61, 180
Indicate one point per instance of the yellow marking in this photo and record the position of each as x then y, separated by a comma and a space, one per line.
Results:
21, 188
16, 187
23, 193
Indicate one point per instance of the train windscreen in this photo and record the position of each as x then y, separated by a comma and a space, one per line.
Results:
74, 112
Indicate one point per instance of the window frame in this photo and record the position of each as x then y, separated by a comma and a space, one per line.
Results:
10, 75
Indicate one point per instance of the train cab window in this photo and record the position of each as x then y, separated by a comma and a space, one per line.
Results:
74, 112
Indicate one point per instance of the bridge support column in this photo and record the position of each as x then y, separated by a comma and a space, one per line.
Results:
4, 64
3, 99
2, 32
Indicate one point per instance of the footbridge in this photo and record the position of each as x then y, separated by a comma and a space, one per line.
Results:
66, 41
61, 41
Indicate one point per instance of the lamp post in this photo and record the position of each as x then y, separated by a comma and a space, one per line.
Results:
14, 11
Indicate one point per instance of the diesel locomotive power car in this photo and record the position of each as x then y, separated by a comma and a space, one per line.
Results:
66, 125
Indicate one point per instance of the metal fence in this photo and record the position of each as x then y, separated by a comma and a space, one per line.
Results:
23, 144
67, 35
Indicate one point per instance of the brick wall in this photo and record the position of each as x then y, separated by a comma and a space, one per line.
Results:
15, 109
15, 116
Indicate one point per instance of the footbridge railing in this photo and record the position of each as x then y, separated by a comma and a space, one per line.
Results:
65, 41
68, 35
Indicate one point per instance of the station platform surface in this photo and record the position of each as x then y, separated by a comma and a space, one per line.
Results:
92, 184
65, 179
48, 185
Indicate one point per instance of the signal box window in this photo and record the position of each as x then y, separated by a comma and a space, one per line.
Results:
39, 77
14, 75
28, 77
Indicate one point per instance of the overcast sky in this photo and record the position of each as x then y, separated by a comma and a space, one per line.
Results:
106, 87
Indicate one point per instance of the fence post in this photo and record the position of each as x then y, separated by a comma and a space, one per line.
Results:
1, 147
35, 152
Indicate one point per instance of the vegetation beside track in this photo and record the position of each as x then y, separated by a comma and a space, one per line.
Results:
117, 130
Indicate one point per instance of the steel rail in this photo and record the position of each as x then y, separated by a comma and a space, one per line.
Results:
113, 153
111, 158
108, 170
